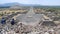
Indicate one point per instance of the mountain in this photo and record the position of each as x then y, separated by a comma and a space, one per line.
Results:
15, 3
7, 5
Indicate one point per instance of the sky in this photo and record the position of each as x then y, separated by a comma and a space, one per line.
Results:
40, 2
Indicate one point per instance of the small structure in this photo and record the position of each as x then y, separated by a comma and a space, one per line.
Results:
46, 18
47, 21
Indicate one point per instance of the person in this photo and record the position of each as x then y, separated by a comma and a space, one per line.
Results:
12, 22
3, 21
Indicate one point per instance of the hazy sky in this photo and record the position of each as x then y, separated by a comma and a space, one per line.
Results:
41, 2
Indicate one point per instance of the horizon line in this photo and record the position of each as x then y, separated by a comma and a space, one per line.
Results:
29, 4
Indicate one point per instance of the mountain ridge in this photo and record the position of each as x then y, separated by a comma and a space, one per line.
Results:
19, 4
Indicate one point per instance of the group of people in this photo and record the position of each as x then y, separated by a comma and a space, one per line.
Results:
3, 21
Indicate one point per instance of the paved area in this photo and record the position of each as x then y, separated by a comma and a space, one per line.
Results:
30, 18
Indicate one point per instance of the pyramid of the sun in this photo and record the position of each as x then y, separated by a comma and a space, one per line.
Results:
30, 18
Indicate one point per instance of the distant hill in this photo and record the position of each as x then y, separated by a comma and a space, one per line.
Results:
15, 3
8, 5
44, 6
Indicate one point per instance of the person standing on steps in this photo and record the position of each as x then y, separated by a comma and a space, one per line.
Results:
12, 21
3, 21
